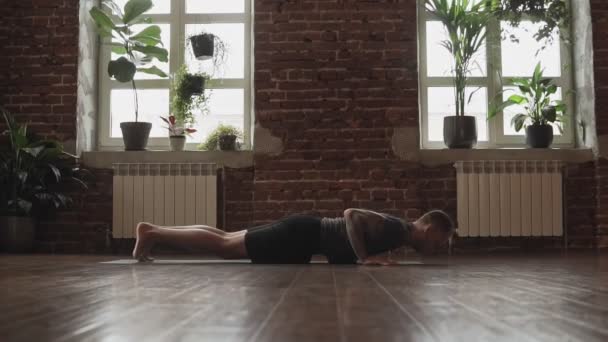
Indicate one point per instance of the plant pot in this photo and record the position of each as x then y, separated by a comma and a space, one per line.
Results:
135, 135
227, 142
177, 143
539, 136
195, 85
460, 131
203, 46
17, 234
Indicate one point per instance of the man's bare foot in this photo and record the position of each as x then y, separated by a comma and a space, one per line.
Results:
144, 242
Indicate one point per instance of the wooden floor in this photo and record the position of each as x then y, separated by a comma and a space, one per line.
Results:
498, 298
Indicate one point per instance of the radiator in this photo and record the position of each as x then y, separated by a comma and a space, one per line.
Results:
509, 198
163, 194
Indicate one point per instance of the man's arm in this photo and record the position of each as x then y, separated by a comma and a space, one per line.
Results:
357, 220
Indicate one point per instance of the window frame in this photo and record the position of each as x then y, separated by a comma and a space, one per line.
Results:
492, 81
177, 20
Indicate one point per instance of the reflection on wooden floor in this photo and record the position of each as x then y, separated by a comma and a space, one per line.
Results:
497, 298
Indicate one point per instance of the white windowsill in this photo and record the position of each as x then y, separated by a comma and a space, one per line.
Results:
444, 156
242, 159
105, 159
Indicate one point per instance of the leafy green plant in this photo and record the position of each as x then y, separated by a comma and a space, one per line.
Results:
138, 50
465, 22
211, 143
34, 173
535, 98
553, 15
184, 99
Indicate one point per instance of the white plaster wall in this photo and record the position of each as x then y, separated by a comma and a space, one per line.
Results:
86, 112
582, 53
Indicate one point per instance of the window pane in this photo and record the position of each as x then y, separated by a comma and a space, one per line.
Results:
520, 58
510, 112
441, 103
233, 36
166, 39
439, 60
224, 6
160, 6
153, 103
226, 106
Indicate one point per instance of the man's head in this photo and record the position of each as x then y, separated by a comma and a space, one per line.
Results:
433, 232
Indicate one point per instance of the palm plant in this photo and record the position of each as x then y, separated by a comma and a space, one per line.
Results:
465, 22
33, 173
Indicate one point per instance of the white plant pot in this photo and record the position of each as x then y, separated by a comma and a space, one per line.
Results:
177, 143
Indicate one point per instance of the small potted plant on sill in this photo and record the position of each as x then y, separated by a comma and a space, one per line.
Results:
34, 177
223, 137
177, 133
465, 22
540, 111
138, 50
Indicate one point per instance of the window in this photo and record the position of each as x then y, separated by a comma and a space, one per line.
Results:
230, 90
495, 65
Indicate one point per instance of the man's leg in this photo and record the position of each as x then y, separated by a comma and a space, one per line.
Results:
223, 245
208, 228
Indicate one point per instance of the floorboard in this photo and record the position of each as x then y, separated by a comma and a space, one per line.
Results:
464, 298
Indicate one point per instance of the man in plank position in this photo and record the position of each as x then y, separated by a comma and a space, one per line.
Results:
359, 236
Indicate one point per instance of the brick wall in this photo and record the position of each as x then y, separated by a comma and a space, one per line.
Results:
333, 80
38, 63
599, 13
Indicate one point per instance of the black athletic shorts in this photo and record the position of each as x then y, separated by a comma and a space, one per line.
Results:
290, 240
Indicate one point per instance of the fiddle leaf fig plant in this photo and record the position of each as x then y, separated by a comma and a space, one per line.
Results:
137, 49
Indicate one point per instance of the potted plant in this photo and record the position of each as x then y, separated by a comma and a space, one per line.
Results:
223, 137
137, 50
465, 22
33, 176
188, 93
207, 46
177, 133
540, 111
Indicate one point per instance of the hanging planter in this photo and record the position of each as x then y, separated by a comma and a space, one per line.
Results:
203, 46
194, 84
